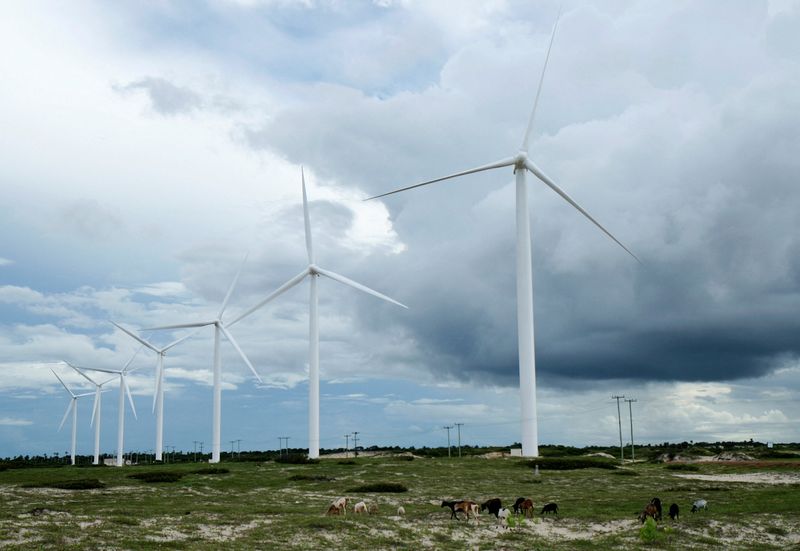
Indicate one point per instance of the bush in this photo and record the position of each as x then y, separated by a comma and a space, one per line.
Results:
388, 487
625, 472
346, 462
312, 477
79, 484
296, 459
682, 467
648, 533
570, 463
212, 470
157, 476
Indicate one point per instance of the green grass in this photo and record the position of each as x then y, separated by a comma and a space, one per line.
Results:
281, 505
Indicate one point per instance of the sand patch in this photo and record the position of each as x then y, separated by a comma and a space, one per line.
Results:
752, 478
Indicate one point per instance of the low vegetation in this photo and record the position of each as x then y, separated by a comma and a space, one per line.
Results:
383, 487
157, 476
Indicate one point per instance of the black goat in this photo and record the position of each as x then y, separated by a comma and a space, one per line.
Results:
493, 506
673, 511
549, 508
517, 504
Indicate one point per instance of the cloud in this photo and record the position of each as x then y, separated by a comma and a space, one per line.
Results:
5, 261
165, 98
14, 422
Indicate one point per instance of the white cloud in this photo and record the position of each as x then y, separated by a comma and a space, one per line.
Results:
14, 422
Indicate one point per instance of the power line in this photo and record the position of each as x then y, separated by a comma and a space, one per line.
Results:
355, 443
619, 419
459, 425
447, 428
346, 445
630, 414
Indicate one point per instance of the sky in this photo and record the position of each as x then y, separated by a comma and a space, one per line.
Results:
148, 147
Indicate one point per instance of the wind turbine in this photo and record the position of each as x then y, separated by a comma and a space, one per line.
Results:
98, 390
158, 395
220, 328
123, 390
527, 361
313, 272
73, 407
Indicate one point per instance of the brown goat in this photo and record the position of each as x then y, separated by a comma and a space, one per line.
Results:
527, 508
649, 511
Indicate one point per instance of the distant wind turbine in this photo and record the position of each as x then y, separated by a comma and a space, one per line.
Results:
527, 361
313, 272
96, 408
220, 328
158, 395
72, 407
123, 390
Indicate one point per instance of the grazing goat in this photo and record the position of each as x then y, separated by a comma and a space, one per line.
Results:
360, 508
517, 504
341, 504
466, 506
503, 514
493, 506
673, 511
549, 508
649, 511
699, 504
526, 507
401, 511
452, 505
332, 510
372, 509
657, 504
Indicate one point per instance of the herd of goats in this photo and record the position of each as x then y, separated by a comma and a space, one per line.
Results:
522, 506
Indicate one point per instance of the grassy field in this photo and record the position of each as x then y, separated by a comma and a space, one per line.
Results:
273, 505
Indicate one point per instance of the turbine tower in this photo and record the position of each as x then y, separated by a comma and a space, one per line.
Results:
158, 394
73, 407
220, 328
123, 390
98, 390
527, 362
313, 272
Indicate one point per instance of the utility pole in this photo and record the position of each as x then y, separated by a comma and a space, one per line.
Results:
346, 445
232, 443
355, 443
459, 425
447, 428
238, 448
619, 419
282, 438
195, 450
201, 449
630, 414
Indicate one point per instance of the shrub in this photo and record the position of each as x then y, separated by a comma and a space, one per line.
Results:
296, 459
79, 484
312, 477
570, 463
625, 472
346, 462
157, 476
388, 487
212, 470
649, 533
681, 467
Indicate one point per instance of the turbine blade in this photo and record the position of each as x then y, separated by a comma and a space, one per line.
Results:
107, 381
83, 394
136, 337
62, 383
231, 288
529, 129
94, 406
509, 161
81, 373
66, 413
240, 351
102, 370
178, 341
132, 358
351, 283
547, 181
276, 293
179, 326
130, 398
306, 220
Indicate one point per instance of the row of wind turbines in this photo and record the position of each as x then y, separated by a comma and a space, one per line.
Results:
521, 163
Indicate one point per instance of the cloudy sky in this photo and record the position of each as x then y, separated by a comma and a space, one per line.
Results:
145, 148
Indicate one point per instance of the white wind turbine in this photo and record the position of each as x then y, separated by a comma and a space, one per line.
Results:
527, 361
220, 328
73, 407
96, 408
123, 390
158, 395
313, 272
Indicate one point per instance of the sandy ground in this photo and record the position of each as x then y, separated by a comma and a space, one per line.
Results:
753, 478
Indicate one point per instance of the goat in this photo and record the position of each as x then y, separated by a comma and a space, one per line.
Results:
452, 505
657, 504
517, 504
549, 508
699, 504
360, 508
492, 505
649, 511
401, 511
341, 504
673, 511
526, 507
466, 506
503, 513
372, 509
332, 510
